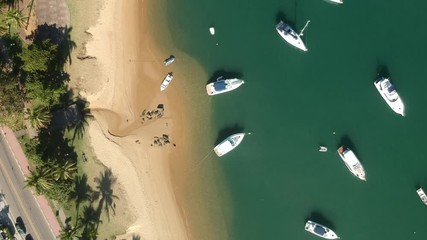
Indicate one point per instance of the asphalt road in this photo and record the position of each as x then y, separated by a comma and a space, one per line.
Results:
21, 201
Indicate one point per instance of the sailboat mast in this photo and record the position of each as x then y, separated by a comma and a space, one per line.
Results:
306, 24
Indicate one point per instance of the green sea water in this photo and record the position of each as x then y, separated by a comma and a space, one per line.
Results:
293, 101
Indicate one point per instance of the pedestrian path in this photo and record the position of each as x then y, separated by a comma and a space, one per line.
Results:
52, 12
24, 167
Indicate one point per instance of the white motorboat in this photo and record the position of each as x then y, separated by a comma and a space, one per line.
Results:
168, 61
422, 195
212, 31
320, 230
166, 81
323, 149
223, 85
390, 95
229, 144
353, 164
336, 1
290, 36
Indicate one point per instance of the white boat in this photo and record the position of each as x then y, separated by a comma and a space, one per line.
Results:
353, 164
166, 81
336, 1
422, 195
212, 31
290, 36
223, 85
390, 95
320, 230
229, 144
323, 149
169, 60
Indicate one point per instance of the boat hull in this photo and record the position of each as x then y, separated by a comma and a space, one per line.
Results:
166, 81
353, 164
223, 86
168, 61
228, 144
422, 195
396, 104
290, 36
336, 1
320, 230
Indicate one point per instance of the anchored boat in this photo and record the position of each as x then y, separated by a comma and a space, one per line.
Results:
323, 149
336, 1
390, 95
168, 61
166, 81
353, 164
212, 31
290, 36
229, 144
320, 230
422, 195
223, 85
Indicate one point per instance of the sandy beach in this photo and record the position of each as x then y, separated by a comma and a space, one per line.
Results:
123, 83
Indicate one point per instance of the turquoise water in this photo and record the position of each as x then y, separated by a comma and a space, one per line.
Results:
292, 102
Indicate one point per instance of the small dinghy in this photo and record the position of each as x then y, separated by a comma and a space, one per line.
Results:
323, 149
212, 30
168, 61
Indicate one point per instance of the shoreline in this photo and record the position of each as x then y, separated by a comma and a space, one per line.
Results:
119, 87
165, 192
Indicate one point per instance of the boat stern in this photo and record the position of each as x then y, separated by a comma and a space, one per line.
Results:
210, 90
341, 150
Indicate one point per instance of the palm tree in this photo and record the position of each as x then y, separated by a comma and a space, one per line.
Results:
89, 221
40, 180
64, 171
81, 193
14, 17
39, 117
30, 6
10, 3
70, 232
80, 126
67, 45
105, 193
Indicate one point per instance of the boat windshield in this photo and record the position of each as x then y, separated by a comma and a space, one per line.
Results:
391, 93
219, 86
319, 230
233, 140
291, 32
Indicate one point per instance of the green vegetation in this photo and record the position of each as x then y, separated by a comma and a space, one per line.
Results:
34, 94
39, 117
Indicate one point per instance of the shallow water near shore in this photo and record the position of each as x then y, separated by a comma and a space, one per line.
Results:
293, 101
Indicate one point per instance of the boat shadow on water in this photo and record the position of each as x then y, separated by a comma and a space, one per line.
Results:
382, 71
346, 141
227, 131
225, 74
319, 218
418, 185
281, 16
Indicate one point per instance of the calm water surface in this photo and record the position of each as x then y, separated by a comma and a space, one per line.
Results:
292, 102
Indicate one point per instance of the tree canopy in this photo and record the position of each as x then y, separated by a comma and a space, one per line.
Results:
37, 58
